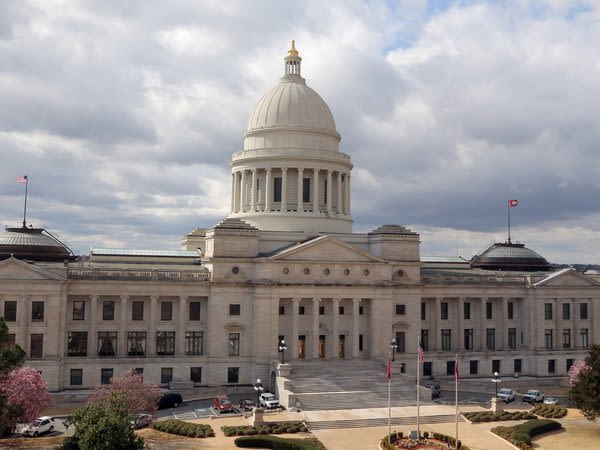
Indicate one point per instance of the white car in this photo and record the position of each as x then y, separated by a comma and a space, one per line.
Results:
268, 400
551, 401
38, 426
533, 396
507, 395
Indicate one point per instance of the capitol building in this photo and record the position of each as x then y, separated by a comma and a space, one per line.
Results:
286, 265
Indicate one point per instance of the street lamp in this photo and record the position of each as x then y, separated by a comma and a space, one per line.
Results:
394, 347
282, 349
496, 380
258, 387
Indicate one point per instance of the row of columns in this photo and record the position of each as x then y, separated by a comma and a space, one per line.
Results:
240, 186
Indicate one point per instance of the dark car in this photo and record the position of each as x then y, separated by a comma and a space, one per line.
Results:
246, 404
169, 400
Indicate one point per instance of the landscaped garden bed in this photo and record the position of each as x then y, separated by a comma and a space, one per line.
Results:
488, 416
549, 411
267, 428
435, 441
278, 443
520, 435
181, 428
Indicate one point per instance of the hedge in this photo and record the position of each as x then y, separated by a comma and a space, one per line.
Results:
267, 428
181, 428
278, 443
549, 411
520, 435
488, 416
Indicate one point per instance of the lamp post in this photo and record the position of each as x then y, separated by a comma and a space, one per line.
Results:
282, 349
258, 387
496, 380
394, 347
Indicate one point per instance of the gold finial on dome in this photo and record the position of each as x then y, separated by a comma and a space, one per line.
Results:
293, 51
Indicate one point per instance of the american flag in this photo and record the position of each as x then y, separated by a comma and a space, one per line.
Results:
22, 179
421, 354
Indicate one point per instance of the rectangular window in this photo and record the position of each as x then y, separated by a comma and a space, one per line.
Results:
566, 309
37, 346
360, 343
569, 363
446, 340
325, 191
512, 338
517, 365
467, 310
488, 310
444, 310
425, 340
282, 310
450, 365
137, 310
136, 343
400, 342
423, 310
400, 310
567, 338
301, 310
77, 343
306, 190
234, 344
321, 310
468, 335
107, 343
235, 309
78, 310
166, 375
490, 338
583, 311
341, 310
194, 342
548, 338
584, 337
106, 376
510, 310
10, 311
37, 311
76, 377
196, 374
473, 367
166, 311
233, 374
301, 346
108, 310
496, 365
361, 310
277, 189
194, 311
165, 343
551, 365
547, 311
427, 368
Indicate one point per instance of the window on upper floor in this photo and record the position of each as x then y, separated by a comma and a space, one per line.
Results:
36, 349
37, 311
77, 343
234, 344
166, 311
423, 310
107, 343
76, 377
194, 342
490, 338
512, 338
489, 310
165, 343
277, 189
567, 338
467, 310
400, 310
108, 310
235, 309
566, 311
136, 343
10, 311
306, 190
425, 339
547, 311
400, 342
468, 338
446, 340
444, 310
282, 310
301, 310
194, 313
583, 311
583, 334
321, 310
549, 338
78, 310
510, 310
137, 310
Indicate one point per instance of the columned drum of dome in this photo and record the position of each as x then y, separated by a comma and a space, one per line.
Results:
291, 175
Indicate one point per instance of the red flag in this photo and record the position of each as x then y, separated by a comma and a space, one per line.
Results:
22, 179
389, 372
513, 203
421, 354
456, 369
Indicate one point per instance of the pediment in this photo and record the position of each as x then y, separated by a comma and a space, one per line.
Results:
233, 327
567, 277
15, 269
325, 248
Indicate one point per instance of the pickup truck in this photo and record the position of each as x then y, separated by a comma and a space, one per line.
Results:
533, 396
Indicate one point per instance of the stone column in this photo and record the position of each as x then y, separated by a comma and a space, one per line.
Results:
253, 192
123, 319
24, 321
232, 209
594, 329
295, 332
284, 189
316, 191
348, 198
346, 192
483, 322
503, 321
355, 327
575, 319
339, 193
268, 190
300, 207
460, 344
329, 191
151, 338
557, 324
181, 326
336, 328
243, 187
93, 336
315, 330
437, 326
236, 192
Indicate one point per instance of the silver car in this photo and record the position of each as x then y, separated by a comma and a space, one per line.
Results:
507, 395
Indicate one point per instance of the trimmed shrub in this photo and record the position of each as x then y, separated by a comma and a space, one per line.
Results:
179, 427
549, 411
278, 443
520, 435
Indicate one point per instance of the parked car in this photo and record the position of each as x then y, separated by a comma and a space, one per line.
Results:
246, 404
436, 390
39, 426
268, 400
533, 396
169, 400
141, 420
223, 404
551, 400
507, 395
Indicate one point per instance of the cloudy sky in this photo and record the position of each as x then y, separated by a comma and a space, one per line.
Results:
124, 114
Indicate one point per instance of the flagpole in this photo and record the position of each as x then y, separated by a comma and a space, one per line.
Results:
25, 208
389, 400
418, 383
456, 398
509, 221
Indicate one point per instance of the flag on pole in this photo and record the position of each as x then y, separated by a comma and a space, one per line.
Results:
421, 354
513, 203
389, 369
456, 369
22, 179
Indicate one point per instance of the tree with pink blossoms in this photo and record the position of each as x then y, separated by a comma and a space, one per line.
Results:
584, 384
11, 357
26, 395
138, 395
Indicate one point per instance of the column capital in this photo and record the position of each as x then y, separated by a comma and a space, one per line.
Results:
268, 169
284, 169
154, 297
183, 298
316, 300
356, 300
94, 297
296, 300
124, 297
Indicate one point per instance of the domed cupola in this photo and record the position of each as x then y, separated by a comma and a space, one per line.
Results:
510, 256
34, 244
291, 175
